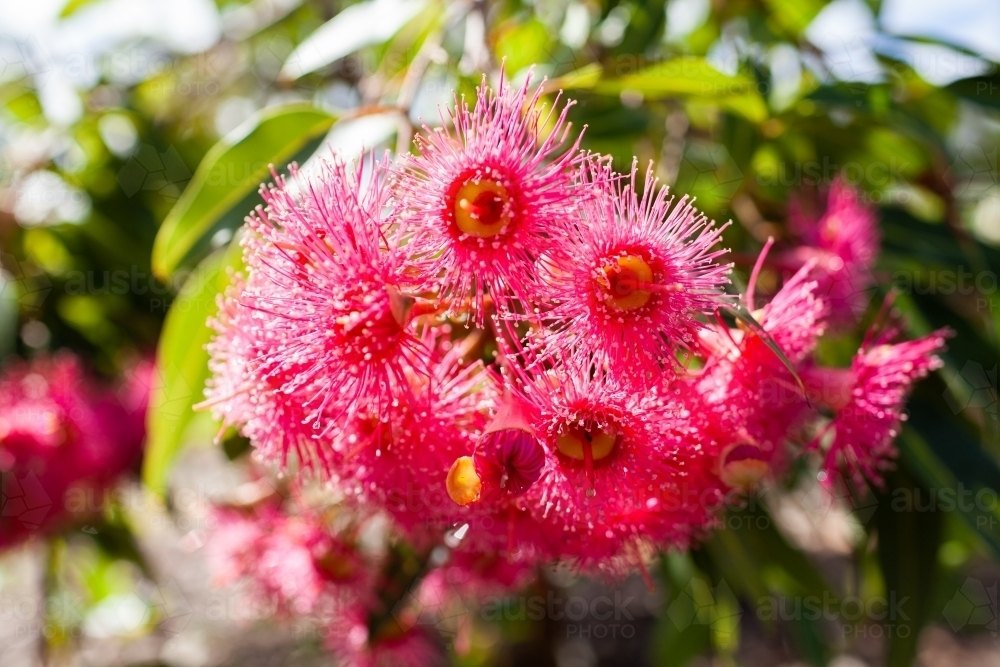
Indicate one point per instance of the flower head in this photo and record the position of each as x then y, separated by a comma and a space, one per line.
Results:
400, 462
60, 431
292, 562
320, 330
483, 199
745, 401
844, 244
631, 278
615, 465
868, 401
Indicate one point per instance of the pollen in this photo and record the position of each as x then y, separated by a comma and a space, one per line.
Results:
483, 208
463, 483
623, 282
576, 441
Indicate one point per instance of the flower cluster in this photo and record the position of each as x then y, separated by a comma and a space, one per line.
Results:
502, 335
61, 432
299, 565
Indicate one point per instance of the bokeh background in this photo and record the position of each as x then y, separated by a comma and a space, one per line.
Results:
134, 135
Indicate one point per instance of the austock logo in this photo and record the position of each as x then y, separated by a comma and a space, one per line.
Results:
698, 603
22, 281
975, 172
980, 390
150, 170
23, 500
973, 607
20, 59
148, 603
442, 608
710, 172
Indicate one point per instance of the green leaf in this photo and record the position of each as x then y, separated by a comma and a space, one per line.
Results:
688, 77
760, 564
583, 78
682, 635
939, 450
117, 540
224, 187
523, 45
681, 76
908, 545
182, 364
794, 16
73, 6
355, 27
984, 90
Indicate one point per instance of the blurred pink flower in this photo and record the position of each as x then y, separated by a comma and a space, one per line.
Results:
868, 401
59, 432
844, 244
292, 563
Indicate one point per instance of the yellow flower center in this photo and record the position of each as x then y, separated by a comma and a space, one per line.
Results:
463, 483
622, 282
574, 441
483, 208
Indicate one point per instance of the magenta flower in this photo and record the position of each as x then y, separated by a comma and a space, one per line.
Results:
615, 463
632, 276
63, 438
482, 200
844, 244
400, 463
245, 394
745, 402
293, 564
352, 643
320, 331
868, 401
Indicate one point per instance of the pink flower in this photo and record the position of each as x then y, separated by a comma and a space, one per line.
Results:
292, 563
63, 438
350, 640
795, 318
320, 331
844, 243
400, 462
868, 401
745, 402
615, 463
242, 393
482, 200
633, 276
471, 575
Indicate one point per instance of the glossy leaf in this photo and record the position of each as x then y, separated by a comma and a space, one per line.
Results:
682, 635
749, 552
685, 77
793, 16
357, 26
954, 467
908, 544
182, 364
224, 187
